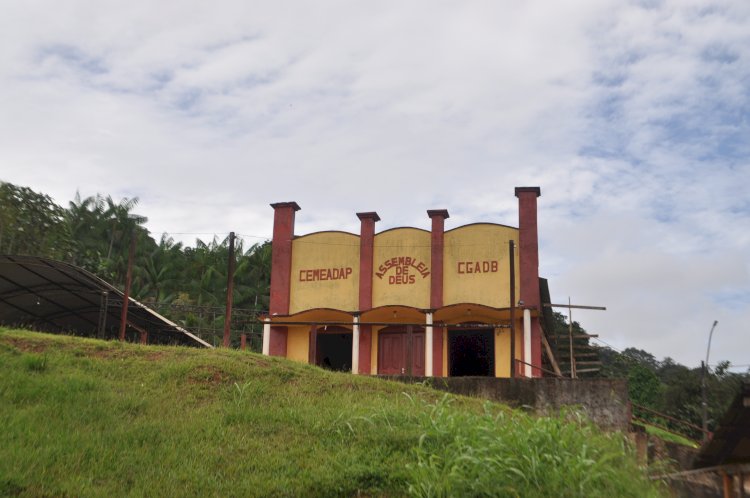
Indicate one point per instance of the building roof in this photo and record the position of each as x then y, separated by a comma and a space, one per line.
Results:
730, 443
53, 296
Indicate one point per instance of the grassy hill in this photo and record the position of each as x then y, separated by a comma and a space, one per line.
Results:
83, 417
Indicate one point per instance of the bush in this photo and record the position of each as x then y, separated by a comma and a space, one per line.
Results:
505, 453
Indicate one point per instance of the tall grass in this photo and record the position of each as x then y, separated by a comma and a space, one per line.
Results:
505, 453
87, 418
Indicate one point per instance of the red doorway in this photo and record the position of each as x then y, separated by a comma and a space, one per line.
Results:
393, 351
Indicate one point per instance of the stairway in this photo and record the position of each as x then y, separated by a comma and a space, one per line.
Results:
585, 356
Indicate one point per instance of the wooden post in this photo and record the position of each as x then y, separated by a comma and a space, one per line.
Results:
511, 250
641, 446
230, 291
741, 477
128, 280
409, 351
573, 374
103, 305
551, 356
243, 341
144, 337
312, 355
727, 481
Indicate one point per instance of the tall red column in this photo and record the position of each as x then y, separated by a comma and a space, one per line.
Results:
438, 217
281, 268
366, 242
528, 262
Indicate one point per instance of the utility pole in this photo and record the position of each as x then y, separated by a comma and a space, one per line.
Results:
704, 372
230, 291
128, 280
512, 251
102, 325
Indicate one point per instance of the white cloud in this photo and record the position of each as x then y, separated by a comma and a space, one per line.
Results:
632, 117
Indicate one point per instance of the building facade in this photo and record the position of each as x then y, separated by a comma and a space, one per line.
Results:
407, 301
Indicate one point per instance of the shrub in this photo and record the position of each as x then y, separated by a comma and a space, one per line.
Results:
505, 453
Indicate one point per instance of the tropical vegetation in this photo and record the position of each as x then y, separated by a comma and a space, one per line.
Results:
187, 284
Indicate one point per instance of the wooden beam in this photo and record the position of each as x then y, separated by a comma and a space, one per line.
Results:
551, 357
577, 306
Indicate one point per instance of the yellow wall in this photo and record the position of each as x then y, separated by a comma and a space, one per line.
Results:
401, 281
298, 344
502, 349
374, 351
475, 265
325, 272
445, 352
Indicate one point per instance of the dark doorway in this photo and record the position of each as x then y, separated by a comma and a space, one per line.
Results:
393, 351
334, 350
471, 353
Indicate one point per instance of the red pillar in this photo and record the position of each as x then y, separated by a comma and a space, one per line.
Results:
438, 217
281, 267
366, 241
528, 262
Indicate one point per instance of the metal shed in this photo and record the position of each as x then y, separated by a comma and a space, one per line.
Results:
53, 296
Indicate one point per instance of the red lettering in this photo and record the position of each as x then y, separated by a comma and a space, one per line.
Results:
412, 278
477, 267
317, 274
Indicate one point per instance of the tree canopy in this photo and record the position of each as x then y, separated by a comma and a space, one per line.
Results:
94, 233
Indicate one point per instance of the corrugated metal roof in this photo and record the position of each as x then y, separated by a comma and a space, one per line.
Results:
53, 296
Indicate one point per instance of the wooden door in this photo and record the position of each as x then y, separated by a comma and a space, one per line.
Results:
391, 348
393, 352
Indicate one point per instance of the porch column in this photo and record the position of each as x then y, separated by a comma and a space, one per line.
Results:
366, 248
281, 268
528, 263
355, 345
437, 238
428, 346
527, 342
266, 336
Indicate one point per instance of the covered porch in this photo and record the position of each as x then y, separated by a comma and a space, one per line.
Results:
466, 339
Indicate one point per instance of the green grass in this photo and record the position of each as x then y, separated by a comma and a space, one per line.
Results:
82, 417
666, 435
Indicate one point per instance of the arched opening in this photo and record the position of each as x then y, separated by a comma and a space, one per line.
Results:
471, 352
333, 348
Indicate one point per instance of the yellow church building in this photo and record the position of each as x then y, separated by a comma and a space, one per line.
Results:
407, 301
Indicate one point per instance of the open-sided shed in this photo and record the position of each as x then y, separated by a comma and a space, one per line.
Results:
58, 297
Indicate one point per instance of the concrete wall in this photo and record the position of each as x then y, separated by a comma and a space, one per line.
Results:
604, 401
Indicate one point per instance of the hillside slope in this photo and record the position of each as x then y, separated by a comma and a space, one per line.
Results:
82, 417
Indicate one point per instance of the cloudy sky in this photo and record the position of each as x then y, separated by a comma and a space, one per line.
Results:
632, 117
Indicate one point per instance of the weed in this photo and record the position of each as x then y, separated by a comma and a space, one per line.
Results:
35, 362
